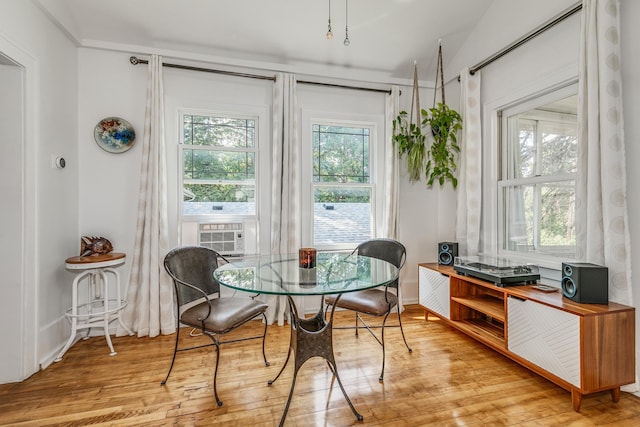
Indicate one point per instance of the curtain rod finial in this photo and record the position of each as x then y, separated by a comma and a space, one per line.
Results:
134, 60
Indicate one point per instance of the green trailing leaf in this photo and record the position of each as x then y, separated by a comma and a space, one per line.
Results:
440, 156
410, 142
445, 124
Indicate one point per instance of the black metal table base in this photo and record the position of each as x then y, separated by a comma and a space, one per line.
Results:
310, 338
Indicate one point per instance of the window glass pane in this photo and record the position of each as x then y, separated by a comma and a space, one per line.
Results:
522, 159
219, 199
543, 141
557, 217
559, 148
219, 165
340, 154
342, 214
219, 131
541, 218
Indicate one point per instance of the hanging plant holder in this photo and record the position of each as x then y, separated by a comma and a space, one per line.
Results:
411, 139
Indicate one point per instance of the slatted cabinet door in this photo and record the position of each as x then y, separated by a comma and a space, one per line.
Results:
434, 292
545, 336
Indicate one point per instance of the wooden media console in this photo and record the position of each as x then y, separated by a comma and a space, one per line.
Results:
583, 348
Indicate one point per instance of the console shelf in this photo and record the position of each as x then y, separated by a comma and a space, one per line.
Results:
491, 306
484, 330
583, 348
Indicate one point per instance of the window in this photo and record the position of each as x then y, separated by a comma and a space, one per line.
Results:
341, 184
219, 155
536, 190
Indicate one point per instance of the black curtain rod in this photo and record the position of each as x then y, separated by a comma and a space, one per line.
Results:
135, 61
530, 35
370, 89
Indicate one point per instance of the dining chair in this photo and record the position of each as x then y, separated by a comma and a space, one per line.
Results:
379, 301
200, 306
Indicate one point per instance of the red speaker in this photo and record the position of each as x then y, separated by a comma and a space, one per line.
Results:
585, 283
447, 251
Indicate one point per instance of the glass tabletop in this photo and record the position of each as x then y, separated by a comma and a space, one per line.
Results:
335, 272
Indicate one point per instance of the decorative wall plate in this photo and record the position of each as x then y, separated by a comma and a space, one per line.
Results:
114, 135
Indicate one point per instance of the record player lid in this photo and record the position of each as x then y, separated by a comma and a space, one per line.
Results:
495, 265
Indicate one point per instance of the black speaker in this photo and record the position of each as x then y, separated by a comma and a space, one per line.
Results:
585, 283
447, 251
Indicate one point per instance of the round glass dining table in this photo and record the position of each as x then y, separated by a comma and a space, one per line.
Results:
335, 273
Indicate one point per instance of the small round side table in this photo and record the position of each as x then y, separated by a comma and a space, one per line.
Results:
101, 307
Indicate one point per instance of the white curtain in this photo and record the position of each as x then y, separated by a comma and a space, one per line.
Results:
601, 194
470, 166
389, 224
149, 311
602, 222
285, 215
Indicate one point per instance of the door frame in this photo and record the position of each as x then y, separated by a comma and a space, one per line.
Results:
28, 318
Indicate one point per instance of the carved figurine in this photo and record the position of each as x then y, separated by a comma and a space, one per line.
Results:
92, 245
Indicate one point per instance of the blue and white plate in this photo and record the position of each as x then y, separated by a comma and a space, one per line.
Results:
114, 135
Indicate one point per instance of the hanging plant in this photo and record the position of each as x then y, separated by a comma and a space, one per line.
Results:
445, 124
411, 140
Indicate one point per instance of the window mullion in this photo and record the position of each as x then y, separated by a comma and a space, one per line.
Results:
537, 201
538, 148
537, 180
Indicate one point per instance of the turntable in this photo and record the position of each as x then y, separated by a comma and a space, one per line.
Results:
500, 271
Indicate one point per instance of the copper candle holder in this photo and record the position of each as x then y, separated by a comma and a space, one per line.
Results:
307, 258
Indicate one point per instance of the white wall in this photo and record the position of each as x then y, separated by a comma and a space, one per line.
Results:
504, 22
53, 124
108, 85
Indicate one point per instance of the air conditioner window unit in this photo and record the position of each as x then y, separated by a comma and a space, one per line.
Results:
224, 238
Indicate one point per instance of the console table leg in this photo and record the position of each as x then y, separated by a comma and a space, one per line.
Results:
576, 399
615, 394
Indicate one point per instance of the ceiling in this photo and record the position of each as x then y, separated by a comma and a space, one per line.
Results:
386, 35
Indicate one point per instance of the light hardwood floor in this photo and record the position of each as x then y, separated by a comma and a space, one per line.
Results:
448, 380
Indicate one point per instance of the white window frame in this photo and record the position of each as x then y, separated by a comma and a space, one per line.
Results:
256, 227
376, 154
517, 107
182, 112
